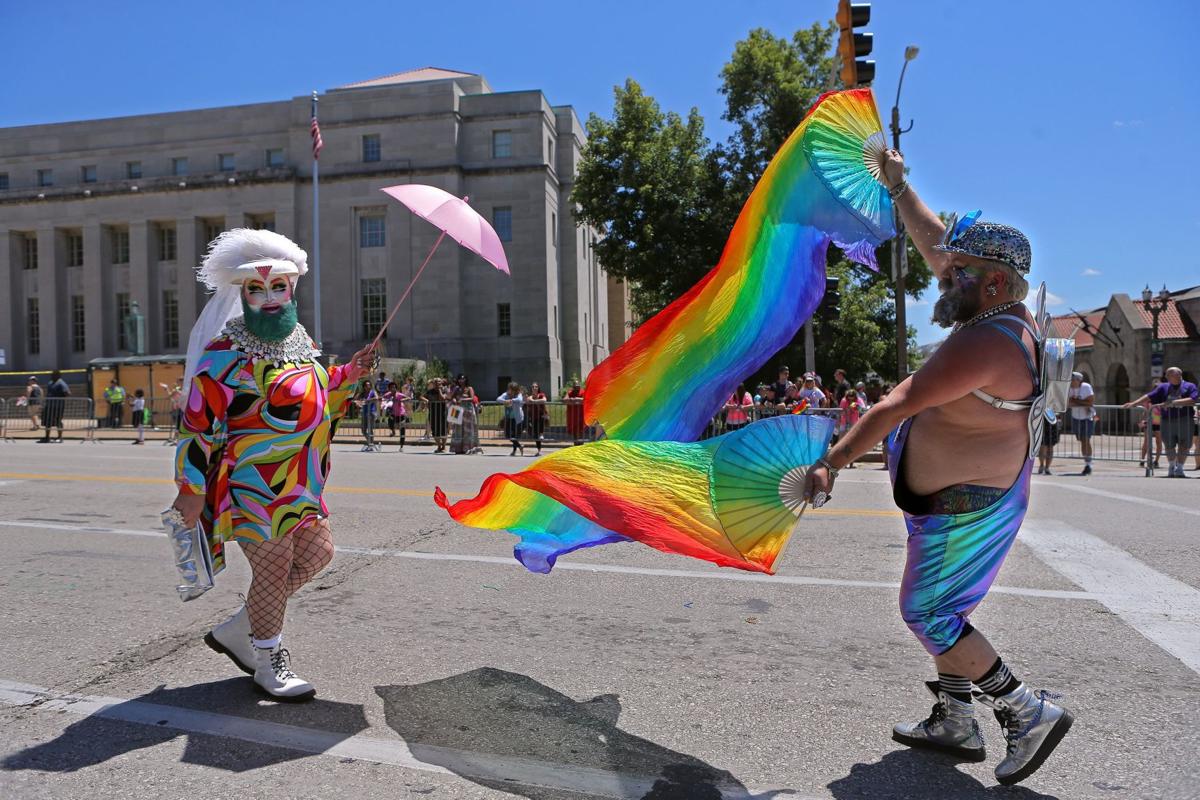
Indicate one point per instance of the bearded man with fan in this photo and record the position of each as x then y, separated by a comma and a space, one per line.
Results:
254, 438
962, 505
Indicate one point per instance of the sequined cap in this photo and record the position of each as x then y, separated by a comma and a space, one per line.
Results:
989, 240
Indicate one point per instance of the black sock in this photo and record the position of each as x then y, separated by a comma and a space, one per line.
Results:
956, 686
998, 680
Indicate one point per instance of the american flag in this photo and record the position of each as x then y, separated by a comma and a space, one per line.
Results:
315, 130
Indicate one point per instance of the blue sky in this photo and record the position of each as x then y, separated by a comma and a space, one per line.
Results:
1072, 120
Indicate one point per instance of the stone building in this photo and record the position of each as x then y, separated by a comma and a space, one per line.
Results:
1114, 346
99, 215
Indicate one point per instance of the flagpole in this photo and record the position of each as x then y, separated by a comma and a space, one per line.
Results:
316, 202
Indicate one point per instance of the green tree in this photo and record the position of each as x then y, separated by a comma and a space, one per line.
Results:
646, 180
667, 200
769, 84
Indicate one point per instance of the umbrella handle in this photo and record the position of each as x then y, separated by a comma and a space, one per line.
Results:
404, 296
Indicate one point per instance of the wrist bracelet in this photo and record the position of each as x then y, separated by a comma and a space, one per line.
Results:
896, 191
821, 462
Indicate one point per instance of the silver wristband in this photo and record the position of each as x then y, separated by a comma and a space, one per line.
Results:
821, 462
899, 189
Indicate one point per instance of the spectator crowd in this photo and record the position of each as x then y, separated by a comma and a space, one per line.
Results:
450, 413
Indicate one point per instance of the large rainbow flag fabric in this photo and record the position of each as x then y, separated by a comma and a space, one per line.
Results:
722, 500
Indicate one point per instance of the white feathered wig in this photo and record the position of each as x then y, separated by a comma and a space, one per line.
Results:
233, 257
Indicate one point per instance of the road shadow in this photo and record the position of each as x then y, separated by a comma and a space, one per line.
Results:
912, 774
508, 732
109, 733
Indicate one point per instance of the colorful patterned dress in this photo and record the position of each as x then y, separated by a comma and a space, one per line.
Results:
255, 436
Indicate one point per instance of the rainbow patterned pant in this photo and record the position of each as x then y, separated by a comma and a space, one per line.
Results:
953, 558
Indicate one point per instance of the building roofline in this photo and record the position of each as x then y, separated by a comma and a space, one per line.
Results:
17, 128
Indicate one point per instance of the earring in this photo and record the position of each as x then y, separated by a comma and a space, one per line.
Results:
991, 290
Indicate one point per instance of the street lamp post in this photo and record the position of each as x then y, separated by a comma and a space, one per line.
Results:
1155, 305
900, 243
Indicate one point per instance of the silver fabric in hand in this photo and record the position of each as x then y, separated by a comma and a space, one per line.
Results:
193, 559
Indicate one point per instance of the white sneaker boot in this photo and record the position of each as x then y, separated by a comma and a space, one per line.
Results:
232, 638
950, 729
1033, 727
274, 676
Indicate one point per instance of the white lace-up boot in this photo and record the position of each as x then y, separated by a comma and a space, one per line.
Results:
950, 729
1033, 727
232, 638
273, 675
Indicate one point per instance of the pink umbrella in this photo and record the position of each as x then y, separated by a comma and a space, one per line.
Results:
456, 219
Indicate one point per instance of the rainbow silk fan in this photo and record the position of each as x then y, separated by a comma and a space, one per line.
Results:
732, 500
756, 481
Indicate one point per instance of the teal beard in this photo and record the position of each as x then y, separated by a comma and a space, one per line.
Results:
270, 327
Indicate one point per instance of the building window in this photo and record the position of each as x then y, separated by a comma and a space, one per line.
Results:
374, 306
87, 174
170, 307
553, 229
275, 157
133, 169
550, 151
225, 162
3, 181
502, 222
74, 249
123, 312
120, 246
166, 242
29, 251
33, 322
212, 229
45, 177
179, 166
371, 231
260, 222
504, 319
78, 339
501, 144
370, 147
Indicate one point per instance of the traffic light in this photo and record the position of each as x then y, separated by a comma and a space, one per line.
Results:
855, 71
833, 299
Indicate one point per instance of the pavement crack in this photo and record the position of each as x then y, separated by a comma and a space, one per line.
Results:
139, 656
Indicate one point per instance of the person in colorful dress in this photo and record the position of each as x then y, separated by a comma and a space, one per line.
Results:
963, 505
464, 439
576, 428
253, 452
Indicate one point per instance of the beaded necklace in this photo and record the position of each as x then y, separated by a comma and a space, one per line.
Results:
982, 315
295, 347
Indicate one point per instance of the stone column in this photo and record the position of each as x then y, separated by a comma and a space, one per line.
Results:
96, 258
52, 307
10, 314
143, 261
187, 258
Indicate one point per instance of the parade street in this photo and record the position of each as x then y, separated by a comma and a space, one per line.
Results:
445, 670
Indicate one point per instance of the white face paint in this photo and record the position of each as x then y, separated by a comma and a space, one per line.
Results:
268, 296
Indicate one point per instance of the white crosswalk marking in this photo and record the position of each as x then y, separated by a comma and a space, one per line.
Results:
1164, 610
734, 575
394, 751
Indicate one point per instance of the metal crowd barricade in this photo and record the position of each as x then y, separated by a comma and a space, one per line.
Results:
1116, 434
720, 422
70, 415
3, 419
163, 415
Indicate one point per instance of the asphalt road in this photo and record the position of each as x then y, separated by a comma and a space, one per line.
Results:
444, 670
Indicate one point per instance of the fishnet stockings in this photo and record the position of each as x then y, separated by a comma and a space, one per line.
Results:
280, 567
312, 550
